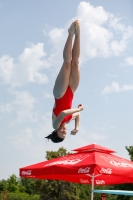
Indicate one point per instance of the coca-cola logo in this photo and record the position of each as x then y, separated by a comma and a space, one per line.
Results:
84, 170
117, 162
68, 160
100, 182
106, 171
27, 173
84, 181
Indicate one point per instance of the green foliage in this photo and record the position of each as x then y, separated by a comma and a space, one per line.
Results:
130, 151
56, 154
28, 185
13, 184
32, 189
60, 190
84, 191
126, 186
18, 196
109, 196
3, 185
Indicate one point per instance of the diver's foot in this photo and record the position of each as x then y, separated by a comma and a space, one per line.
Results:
72, 28
77, 28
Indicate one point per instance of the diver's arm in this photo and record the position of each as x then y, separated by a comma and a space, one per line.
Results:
64, 113
76, 116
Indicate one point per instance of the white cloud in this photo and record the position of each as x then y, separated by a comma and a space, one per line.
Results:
111, 75
115, 87
33, 60
113, 127
27, 69
6, 68
102, 34
23, 139
6, 108
57, 38
129, 61
45, 128
25, 103
47, 95
24, 106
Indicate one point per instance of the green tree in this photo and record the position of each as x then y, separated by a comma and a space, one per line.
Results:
55, 154
14, 189
84, 191
13, 184
127, 186
18, 196
59, 190
32, 189
29, 185
3, 185
130, 151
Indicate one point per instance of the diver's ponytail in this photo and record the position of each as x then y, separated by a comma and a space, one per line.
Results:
54, 137
49, 136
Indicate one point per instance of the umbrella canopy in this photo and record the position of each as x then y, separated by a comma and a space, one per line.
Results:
94, 147
89, 161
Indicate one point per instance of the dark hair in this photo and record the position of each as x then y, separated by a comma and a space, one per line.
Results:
54, 137
103, 195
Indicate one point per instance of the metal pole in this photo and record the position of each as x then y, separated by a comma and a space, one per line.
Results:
92, 183
92, 186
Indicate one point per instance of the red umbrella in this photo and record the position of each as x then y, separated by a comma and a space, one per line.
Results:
90, 164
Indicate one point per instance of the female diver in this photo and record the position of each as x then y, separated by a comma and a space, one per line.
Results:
65, 86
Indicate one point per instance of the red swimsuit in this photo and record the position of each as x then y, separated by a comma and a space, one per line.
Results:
64, 103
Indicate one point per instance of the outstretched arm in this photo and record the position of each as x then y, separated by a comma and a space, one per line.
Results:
60, 117
76, 116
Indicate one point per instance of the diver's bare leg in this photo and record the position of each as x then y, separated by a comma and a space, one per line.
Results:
62, 80
75, 72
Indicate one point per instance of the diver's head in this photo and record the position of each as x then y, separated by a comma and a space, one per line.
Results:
58, 135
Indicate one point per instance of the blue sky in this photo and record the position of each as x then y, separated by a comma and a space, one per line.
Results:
33, 34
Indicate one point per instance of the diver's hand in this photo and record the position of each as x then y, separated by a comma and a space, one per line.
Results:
74, 131
80, 106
